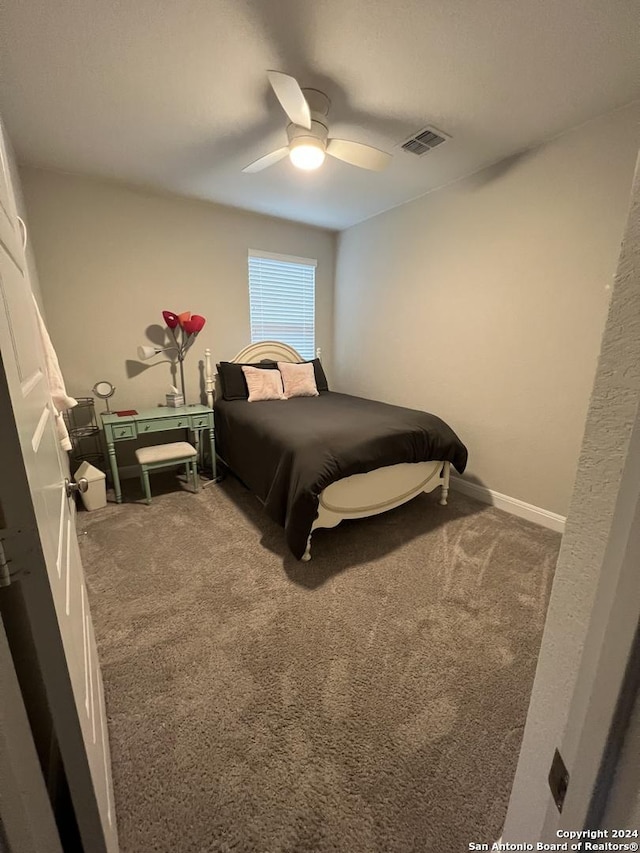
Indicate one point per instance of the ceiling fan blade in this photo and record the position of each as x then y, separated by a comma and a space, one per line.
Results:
290, 95
357, 154
267, 160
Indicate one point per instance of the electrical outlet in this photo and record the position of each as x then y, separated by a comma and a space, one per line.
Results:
558, 780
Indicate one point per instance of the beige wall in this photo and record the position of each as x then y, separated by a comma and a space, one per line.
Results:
485, 301
110, 259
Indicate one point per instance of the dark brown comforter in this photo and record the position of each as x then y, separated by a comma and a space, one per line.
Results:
288, 451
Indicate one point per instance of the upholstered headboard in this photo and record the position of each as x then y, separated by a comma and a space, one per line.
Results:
262, 351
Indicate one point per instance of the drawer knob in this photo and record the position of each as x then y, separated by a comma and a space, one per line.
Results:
146, 426
179, 423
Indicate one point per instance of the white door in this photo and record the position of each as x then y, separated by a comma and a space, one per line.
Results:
37, 526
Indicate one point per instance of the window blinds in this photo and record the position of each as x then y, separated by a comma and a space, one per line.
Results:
282, 300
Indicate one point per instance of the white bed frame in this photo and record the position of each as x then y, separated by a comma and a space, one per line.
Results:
360, 495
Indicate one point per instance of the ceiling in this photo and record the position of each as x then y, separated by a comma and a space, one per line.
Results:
174, 95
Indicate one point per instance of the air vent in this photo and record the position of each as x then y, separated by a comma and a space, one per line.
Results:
425, 140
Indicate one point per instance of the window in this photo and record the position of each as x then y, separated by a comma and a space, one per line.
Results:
282, 291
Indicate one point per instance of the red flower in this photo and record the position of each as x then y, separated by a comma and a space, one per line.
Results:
170, 319
197, 323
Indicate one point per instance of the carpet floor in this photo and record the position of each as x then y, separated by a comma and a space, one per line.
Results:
370, 701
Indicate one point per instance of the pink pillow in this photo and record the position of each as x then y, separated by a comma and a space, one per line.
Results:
263, 384
299, 380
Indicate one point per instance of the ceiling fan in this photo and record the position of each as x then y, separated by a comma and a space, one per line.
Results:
308, 132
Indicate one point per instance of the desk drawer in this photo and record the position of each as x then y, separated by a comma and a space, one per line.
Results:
200, 421
124, 431
161, 424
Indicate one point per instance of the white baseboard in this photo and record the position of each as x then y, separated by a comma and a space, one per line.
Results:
516, 507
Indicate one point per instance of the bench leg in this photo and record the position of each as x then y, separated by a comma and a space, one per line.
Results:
445, 484
307, 551
145, 484
194, 466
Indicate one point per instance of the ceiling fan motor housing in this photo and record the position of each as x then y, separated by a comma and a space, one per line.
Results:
319, 105
300, 135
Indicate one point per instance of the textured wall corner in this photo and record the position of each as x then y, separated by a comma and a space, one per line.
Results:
592, 551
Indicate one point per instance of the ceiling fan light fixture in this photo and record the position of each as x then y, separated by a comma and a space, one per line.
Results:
307, 154
308, 132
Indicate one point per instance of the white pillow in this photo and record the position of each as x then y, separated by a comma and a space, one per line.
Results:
299, 380
263, 384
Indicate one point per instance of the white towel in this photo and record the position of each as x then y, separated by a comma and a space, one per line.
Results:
59, 397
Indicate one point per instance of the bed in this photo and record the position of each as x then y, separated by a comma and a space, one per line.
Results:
315, 461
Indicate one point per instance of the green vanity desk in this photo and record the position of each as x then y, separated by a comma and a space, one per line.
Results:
198, 419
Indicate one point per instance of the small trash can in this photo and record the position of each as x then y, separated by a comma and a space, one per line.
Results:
96, 495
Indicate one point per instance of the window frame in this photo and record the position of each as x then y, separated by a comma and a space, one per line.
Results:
258, 254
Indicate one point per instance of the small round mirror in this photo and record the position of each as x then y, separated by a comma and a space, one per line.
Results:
104, 390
